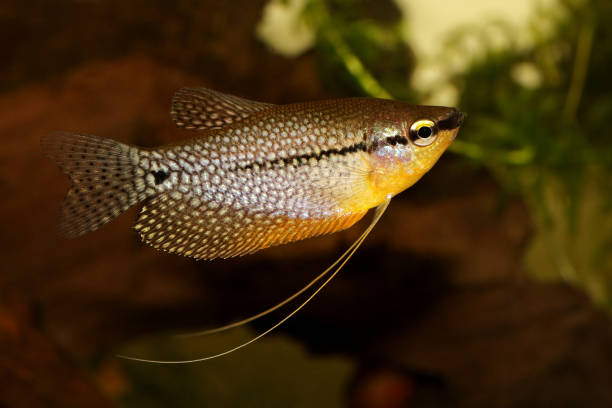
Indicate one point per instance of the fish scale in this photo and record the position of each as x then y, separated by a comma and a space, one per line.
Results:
257, 174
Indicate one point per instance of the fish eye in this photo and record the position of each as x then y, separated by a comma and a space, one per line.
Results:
423, 132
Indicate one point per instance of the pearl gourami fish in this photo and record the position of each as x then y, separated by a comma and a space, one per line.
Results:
256, 174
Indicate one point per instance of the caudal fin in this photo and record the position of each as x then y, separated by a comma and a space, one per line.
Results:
105, 182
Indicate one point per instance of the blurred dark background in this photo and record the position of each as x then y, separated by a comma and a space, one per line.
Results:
487, 284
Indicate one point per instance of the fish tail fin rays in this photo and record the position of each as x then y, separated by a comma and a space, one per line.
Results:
105, 179
337, 265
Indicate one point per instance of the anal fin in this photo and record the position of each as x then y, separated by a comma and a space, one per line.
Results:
186, 225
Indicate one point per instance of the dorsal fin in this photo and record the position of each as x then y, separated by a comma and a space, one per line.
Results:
202, 108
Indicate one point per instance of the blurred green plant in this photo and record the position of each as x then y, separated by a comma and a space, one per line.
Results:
560, 124
360, 54
303, 380
539, 117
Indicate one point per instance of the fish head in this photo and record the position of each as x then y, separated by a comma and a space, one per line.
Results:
406, 140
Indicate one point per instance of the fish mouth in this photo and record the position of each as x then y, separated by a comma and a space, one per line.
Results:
453, 121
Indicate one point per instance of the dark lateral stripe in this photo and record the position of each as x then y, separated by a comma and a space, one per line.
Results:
453, 121
392, 140
361, 146
160, 176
